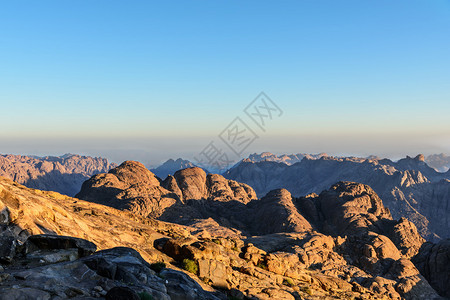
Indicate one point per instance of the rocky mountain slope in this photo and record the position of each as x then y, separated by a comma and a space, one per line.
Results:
64, 174
409, 187
345, 239
39, 261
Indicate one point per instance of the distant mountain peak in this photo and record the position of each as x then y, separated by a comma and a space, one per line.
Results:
170, 166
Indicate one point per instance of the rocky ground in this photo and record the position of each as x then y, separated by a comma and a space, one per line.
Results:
342, 243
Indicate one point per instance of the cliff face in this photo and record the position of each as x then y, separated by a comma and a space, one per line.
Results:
340, 244
409, 187
63, 174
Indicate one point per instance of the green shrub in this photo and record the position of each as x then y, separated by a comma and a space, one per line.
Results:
145, 296
288, 282
306, 289
158, 266
262, 265
218, 242
190, 265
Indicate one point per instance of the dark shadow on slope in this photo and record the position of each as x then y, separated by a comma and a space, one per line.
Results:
67, 184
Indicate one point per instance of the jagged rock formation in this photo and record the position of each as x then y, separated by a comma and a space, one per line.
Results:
64, 174
409, 187
171, 166
357, 261
345, 232
132, 187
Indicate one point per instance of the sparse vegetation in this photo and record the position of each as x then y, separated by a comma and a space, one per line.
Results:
306, 289
190, 265
289, 282
218, 242
157, 266
262, 265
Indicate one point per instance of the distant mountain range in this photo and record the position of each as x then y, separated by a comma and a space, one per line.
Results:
288, 159
409, 187
440, 162
64, 174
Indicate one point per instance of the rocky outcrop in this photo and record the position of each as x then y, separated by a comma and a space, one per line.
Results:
409, 187
277, 213
348, 207
52, 272
132, 187
64, 174
354, 261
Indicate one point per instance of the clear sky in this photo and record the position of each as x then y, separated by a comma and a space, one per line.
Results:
153, 80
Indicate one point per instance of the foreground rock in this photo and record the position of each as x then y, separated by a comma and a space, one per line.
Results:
117, 273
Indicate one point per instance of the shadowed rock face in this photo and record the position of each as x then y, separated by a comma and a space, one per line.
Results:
409, 187
63, 174
433, 261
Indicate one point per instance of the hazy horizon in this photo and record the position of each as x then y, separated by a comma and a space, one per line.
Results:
152, 81
117, 151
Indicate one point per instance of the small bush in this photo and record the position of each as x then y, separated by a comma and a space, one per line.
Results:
145, 296
190, 265
218, 242
288, 282
158, 266
306, 289
262, 265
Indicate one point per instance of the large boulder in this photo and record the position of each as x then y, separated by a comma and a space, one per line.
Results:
131, 187
276, 212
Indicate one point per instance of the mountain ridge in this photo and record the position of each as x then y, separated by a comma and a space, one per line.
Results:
63, 174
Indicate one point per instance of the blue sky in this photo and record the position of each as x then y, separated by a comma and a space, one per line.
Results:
147, 80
